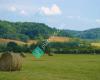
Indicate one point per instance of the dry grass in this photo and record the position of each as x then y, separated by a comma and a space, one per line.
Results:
51, 39
31, 42
59, 39
9, 40
18, 42
95, 44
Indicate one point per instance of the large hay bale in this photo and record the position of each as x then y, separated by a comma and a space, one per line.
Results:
10, 62
23, 55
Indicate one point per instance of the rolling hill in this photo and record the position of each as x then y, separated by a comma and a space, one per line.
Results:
90, 34
26, 31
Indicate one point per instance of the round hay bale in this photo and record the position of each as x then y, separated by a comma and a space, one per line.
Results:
23, 55
10, 62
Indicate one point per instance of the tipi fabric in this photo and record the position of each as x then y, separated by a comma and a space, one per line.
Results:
37, 52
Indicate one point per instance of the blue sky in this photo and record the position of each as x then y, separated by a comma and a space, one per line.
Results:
63, 14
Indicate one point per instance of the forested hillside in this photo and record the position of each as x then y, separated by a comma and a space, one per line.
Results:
92, 34
25, 31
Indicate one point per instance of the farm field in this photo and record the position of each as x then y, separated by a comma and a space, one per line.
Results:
57, 67
96, 44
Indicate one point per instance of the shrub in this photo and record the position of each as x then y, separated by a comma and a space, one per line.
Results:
12, 46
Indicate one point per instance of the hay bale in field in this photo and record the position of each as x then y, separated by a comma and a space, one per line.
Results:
23, 55
10, 62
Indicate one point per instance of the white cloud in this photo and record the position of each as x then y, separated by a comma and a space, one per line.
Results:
18, 10
23, 12
98, 21
51, 11
12, 8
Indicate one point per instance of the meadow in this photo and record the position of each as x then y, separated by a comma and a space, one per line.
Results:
57, 67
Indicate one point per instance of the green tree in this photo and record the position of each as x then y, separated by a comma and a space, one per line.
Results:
12, 46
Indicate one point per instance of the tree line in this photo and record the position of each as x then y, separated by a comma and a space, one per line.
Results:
53, 47
25, 31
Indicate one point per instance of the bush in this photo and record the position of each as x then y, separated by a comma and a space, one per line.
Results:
25, 48
3, 47
32, 46
12, 46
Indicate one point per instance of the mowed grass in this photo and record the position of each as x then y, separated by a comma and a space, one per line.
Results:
57, 67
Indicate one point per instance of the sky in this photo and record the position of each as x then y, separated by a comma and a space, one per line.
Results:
62, 14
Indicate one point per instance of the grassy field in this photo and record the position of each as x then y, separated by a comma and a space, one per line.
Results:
57, 67
51, 39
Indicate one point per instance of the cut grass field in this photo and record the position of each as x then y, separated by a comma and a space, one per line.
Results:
57, 67
96, 44
51, 39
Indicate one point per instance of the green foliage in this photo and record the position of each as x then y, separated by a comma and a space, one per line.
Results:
25, 48
64, 44
29, 30
24, 30
90, 34
32, 47
3, 47
68, 33
73, 48
12, 46
7, 28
